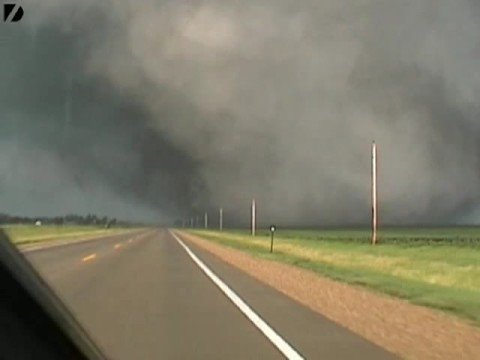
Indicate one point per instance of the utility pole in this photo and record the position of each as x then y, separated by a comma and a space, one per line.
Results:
68, 109
374, 194
254, 215
220, 219
205, 220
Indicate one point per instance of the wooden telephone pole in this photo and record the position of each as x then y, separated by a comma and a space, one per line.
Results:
254, 216
374, 194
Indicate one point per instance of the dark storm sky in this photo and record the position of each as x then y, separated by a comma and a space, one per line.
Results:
159, 109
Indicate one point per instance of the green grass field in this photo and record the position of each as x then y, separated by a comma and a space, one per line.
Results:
26, 234
439, 268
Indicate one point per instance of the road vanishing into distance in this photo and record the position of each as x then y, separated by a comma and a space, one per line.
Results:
150, 295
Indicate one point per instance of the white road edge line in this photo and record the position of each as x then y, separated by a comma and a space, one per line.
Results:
289, 352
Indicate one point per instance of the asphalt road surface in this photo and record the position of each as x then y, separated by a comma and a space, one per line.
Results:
142, 296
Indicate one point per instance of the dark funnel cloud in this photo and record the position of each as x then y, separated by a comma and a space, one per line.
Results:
70, 142
164, 109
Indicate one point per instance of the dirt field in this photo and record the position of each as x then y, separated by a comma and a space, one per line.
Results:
411, 331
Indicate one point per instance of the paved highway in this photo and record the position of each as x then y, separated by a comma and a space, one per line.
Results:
143, 296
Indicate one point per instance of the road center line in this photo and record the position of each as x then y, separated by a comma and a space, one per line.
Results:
57, 243
89, 257
277, 340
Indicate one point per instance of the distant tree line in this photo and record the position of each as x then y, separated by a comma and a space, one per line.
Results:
70, 219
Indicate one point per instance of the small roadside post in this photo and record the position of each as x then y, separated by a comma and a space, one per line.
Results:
272, 231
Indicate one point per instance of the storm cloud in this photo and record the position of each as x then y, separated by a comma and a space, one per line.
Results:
164, 109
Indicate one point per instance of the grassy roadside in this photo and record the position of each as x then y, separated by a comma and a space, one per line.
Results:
439, 268
29, 234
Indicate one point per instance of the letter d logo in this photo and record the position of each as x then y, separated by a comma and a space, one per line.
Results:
12, 13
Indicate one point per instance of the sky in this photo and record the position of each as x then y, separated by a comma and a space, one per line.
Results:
159, 110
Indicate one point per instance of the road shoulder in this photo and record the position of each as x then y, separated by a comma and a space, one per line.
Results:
408, 330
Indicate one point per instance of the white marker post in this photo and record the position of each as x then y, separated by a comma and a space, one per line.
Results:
220, 220
374, 193
254, 215
205, 221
